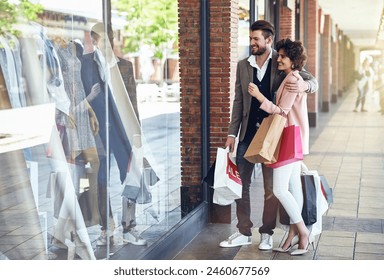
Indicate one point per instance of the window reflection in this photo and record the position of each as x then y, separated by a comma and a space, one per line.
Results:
108, 175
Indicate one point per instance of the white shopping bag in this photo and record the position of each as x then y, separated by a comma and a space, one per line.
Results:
227, 183
321, 202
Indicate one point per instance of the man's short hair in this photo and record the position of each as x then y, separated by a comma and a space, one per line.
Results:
267, 28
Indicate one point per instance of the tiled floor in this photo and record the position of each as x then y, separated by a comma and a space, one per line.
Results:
346, 147
27, 206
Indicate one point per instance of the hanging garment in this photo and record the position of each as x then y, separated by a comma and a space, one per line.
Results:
119, 144
7, 64
71, 70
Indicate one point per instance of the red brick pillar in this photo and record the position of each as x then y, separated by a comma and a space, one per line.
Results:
287, 23
325, 84
190, 107
340, 69
312, 27
223, 60
335, 66
223, 32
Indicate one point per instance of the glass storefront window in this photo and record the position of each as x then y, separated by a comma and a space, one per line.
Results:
244, 23
92, 164
243, 35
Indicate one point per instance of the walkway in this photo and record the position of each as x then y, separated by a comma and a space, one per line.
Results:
347, 148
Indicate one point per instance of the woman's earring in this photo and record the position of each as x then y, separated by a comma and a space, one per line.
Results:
293, 66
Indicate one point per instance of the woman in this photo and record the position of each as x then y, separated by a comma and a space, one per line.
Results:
364, 83
292, 104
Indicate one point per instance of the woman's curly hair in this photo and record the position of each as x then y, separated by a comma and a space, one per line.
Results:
295, 51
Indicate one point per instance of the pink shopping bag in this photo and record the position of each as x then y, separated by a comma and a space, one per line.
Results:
291, 148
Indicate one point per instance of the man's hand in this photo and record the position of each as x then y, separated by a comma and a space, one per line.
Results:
230, 143
296, 86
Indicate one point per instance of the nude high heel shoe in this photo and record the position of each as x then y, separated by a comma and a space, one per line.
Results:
299, 252
294, 241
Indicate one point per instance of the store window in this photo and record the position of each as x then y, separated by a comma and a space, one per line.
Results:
89, 128
249, 11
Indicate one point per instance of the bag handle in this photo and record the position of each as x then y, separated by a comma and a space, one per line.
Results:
277, 103
304, 168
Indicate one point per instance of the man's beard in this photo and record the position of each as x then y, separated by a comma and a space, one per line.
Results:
260, 51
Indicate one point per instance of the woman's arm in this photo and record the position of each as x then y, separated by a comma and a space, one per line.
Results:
270, 108
288, 97
285, 98
255, 92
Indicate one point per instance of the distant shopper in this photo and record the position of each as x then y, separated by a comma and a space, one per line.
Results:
364, 83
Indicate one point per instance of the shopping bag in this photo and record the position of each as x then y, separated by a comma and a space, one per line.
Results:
321, 202
210, 177
309, 211
140, 195
227, 182
90, 214
326, 190
263, 147
138, 192
291, 148
139, 177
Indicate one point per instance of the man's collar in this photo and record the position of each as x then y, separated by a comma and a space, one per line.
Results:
252, 59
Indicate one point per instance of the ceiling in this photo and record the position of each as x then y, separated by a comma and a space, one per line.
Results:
358, 19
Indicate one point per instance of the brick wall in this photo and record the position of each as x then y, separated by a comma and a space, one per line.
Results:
287, 23
189, 51
222, 60
341, 63
312, 22
335, 66
326, 64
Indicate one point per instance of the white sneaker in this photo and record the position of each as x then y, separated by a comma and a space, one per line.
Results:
266, 242
134, 238
236, 239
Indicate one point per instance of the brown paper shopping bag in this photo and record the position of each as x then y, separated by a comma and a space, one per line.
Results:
264, 144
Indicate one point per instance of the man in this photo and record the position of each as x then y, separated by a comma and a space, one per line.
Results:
261, 69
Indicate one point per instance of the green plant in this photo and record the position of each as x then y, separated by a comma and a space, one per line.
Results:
7, 16
11, 13
149, 22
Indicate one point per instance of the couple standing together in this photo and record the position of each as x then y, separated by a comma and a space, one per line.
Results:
269, 75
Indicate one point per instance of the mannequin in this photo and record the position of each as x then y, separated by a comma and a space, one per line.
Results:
95, 70
84, 125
